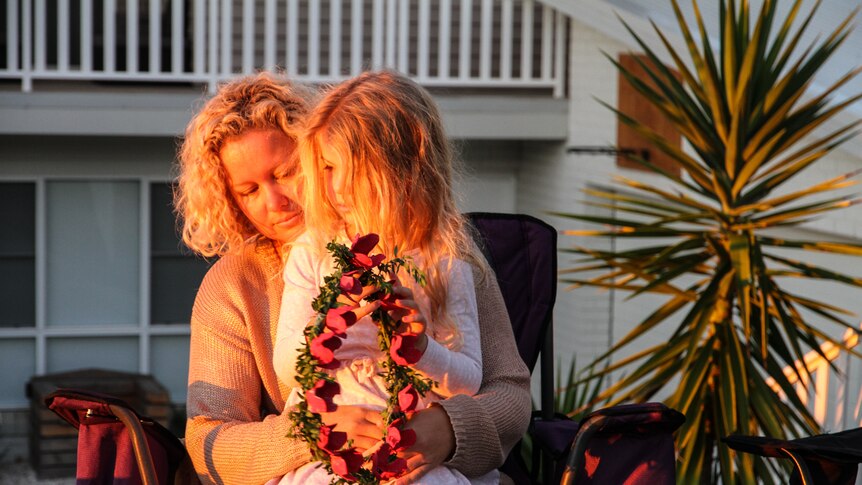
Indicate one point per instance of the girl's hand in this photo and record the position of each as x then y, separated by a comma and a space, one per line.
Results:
363, 426
354, 300
412, 318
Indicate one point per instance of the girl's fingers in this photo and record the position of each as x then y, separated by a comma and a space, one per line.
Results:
366, 309
366, 291
402, 292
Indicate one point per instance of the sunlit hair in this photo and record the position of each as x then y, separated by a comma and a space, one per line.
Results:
388, 131
212, 223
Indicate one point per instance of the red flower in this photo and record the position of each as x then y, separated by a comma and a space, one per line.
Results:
323, 350
408, 398
349, 283
319, 398
330, 440
403, 349
361, 247
339, 318
364, 244
386, 465
346, 462
399, 438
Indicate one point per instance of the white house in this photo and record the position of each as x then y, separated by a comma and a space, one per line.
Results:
94, 93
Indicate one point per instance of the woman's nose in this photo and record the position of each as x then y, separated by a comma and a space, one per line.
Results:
277, 198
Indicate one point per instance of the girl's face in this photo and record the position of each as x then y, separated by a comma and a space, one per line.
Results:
336, 176
263, 178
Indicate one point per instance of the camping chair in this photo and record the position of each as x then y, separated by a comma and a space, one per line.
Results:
116, 444
637, 439
826, 459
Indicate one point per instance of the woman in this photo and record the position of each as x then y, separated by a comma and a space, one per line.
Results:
237, 199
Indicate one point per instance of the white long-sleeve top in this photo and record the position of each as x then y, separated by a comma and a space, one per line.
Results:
456, 372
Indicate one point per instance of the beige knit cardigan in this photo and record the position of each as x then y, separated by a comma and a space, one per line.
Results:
235, 431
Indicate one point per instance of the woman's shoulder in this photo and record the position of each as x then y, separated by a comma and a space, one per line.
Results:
255, 261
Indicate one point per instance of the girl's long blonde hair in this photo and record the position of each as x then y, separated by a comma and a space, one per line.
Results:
212, 224
388, 131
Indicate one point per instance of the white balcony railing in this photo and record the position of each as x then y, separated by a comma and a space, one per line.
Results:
453, 43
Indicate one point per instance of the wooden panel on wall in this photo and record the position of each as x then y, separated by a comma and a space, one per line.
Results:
635, 105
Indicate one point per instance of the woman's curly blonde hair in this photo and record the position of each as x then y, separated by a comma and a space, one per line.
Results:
212, 224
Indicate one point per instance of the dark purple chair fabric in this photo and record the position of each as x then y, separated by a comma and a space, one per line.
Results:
827, 459
522, 250
105, 452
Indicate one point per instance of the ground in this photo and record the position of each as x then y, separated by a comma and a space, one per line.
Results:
22, 474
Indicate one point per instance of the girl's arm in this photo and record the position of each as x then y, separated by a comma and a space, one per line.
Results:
457, 372
300, 287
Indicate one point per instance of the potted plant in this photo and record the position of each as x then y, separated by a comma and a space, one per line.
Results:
743, 109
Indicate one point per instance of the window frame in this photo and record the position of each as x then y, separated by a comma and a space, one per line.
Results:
41, 333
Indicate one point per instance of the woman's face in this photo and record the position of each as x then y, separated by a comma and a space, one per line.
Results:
263, 177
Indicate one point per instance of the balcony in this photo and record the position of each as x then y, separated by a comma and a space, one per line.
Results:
481, 44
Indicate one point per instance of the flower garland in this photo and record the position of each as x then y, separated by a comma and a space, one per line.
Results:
356, 269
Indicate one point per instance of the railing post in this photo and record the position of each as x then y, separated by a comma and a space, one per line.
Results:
356, 11
12, 36
560, 56
335, 39
269, 35
247, 37
486, 25
506, 27
131, 36
213, 46
444, 40
26, 47
226, 43
464, 40
292, 40
86, 35
404, 37
63, 35
526, 39
423, 39
313, 39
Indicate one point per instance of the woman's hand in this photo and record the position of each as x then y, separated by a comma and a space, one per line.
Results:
363, 426
435, 442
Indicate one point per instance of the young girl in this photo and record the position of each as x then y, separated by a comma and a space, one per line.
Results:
375, 159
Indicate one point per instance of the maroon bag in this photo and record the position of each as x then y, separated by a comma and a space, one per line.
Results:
116, 445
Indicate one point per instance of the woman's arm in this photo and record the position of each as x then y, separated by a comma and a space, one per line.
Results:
488, 425
228, 438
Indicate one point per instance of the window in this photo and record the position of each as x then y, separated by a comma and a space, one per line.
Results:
93, 263
17, 254
176, 272
93, 274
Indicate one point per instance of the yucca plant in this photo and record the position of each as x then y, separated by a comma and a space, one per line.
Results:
742, 107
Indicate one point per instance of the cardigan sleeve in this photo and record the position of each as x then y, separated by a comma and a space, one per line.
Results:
228, 437
489, 424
